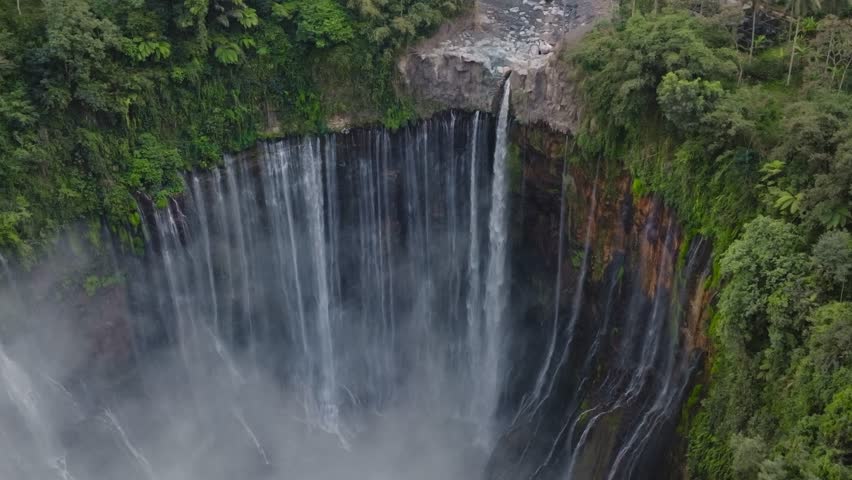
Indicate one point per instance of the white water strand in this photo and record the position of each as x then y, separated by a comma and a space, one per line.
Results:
495, 286
241, 244
260, 450
125, 440
21, 391
669, 392
205, 235
225, 227
284, 166
474, 305
551, 347
385, 148
170, 243
278, 195
576, 303
650, 345
314, 198
7, 272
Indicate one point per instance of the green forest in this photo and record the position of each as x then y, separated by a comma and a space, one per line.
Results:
104, 101
745, 131
749, 136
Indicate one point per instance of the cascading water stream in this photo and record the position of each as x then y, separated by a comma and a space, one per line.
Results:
348, 335
352, 303
31, 425
474, 296
495, 280
533, 398
7, 273
536, 400
629, 392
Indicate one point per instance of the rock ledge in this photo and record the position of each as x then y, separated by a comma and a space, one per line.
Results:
465, 64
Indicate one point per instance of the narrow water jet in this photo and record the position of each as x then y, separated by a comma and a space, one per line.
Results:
495, 280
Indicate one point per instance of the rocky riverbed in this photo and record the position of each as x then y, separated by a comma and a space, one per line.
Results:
464, 65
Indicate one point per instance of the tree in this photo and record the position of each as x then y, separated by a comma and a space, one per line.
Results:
748, 453
81, 44
830, 341
685, 102
831, 52
623, 68
816, 152
832, 259
836, 427
800, 8
754, 9
320, 22
763, 298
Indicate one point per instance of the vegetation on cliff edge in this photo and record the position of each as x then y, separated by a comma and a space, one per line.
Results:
749, 137
104, 101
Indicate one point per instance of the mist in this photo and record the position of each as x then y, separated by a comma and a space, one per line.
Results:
356, 306
296, 315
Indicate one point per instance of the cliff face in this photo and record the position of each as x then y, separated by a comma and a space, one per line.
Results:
72, 304
606, 302
621, 291
620, 223
609, 297
440, 80
465, 64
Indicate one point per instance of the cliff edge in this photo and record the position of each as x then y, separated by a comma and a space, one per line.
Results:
464, 64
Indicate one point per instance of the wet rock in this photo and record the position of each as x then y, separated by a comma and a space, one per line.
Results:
464, 65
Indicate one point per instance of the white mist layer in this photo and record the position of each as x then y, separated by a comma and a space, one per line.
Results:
298, 317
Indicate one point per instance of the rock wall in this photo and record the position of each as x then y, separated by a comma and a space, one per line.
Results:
641, 267
545, 94
465, 64
621, 223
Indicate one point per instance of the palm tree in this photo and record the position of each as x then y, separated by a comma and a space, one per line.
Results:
799, 8
754, 7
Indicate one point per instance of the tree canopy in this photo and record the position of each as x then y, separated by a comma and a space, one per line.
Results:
708, 121
105, 102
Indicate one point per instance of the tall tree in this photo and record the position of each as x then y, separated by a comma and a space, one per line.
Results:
831, 52
799, 8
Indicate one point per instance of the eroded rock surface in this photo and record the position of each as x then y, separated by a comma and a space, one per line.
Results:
465, 64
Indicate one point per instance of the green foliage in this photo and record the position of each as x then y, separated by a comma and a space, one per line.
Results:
141, 49
832, 260
398, 115
624, 65
766, 172
748, 453
103, 103
764, 269
515, 168
685, 102
228, 53
320, 22
94, 283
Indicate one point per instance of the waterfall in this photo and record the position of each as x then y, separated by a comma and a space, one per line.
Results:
346, 276
474, 305
315, 205
674, 376
9, 277
351, 302
495, 280
6, 271
576, 303
532, 399
29, 437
